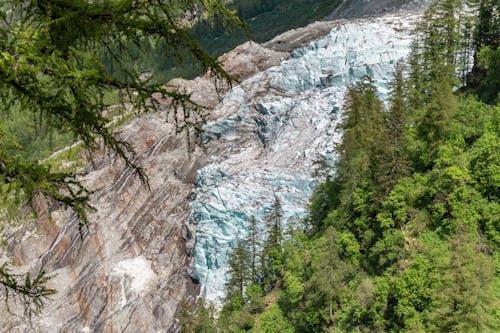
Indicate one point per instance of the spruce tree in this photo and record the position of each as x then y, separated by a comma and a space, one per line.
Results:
362, 129
199, 317
487, 30
254, 248
467, 286
238, 272
435, 50
392, 162
434, 127
272, 251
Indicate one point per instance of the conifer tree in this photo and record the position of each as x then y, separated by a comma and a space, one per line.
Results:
199, 317
272, 251
238, 271
483, 78
362, 130
254, 244
467, 283
393, 162
434, 127
487, 32
435, 49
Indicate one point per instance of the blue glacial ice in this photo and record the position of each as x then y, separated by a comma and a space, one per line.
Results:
269, 130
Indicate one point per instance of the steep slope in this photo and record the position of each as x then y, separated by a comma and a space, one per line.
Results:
272, 128
134, 248
132, 268
360, 8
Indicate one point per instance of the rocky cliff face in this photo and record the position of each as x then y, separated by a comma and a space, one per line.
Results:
145, 248
132, 266
270, 130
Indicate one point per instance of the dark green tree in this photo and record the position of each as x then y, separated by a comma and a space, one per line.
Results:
435, 50
242, 296
392, 160
487, 32
335, 264
253, 241
363, 128
197, 318
272, 250
467, 288
325, 197
238, 272
434, 127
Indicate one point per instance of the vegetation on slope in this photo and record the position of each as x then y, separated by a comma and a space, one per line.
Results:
405, 237
63, 63
265, 19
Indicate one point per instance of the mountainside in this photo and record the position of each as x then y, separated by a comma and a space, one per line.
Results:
360, 8
271, 129
266, 19
133, 266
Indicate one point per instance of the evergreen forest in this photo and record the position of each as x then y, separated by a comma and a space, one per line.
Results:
405, 236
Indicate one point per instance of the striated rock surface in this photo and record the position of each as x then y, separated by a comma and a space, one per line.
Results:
270, 130
146, 249
131, 269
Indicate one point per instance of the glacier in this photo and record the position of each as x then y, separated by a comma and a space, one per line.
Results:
271, 128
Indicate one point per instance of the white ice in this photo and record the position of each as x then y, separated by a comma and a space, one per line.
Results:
273, 126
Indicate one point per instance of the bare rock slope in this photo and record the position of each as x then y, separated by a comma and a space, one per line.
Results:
133, 266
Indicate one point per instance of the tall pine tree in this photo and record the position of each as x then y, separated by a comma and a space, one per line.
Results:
272, 251
363, 128
392, 162
253, 243
238, 272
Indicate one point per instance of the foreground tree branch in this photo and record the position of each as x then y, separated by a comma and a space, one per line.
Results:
51, 68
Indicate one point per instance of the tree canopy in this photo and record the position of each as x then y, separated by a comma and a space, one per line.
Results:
404, 237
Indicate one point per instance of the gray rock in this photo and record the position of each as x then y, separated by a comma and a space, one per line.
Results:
132, 268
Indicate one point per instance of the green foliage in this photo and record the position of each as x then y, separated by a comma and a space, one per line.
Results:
273, 321
238, 270
272, 250
413, 253
324, 198
255, 296
362, 130
489, 61
54, 86
404, 238
32, 292
392, 158
199, 318
483, 80
254, 244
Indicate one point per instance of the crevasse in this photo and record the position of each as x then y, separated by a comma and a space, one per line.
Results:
272, 127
